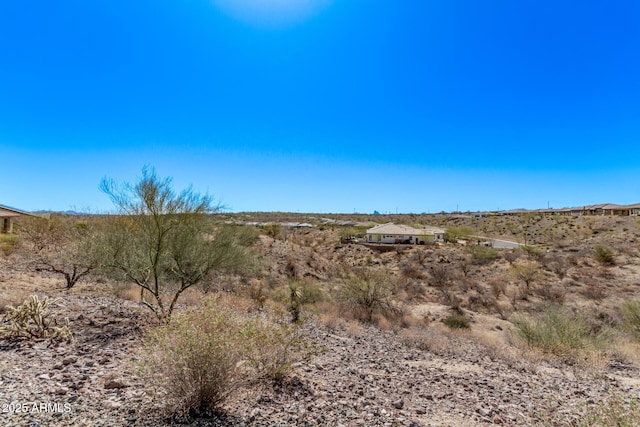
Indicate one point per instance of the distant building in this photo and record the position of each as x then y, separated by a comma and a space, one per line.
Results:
7, 215
394, 233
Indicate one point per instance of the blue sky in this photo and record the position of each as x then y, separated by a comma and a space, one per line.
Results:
323, 105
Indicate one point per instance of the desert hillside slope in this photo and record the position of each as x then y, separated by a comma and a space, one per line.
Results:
443, 350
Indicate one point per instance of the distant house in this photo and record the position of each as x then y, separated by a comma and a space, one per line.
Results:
634, 209
7, 215
394, 233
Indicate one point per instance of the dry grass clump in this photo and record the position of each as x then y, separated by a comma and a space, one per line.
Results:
614, 410
126, 291
204, 356
605, 255
429, 339
593, 291
9, 243
631, 315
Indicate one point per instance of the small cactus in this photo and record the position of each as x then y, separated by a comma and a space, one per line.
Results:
32, 320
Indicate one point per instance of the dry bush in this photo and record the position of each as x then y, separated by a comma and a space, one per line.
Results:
498, 286
593, 292
258, 294
511, 256
126, 291
411, 321
604, 255
203, 356
554, 294
9, 243
441, 278
482, 300
331, 315
429, 339
614, 410
414, 290
411, 270
527, 272
560, 266
365, 293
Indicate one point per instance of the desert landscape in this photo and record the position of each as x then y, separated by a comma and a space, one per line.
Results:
319, 213
342, 333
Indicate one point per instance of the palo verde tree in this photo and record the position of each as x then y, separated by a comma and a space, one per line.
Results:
165, 242
62, 245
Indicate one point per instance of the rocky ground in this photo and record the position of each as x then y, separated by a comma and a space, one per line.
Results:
360, 376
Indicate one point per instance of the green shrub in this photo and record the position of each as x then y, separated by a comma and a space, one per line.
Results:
457, 321
483, 254
204, 356
532, 252
453, 234
32, 319
559, 332
604, 255
528, 272
310, 290
366, 293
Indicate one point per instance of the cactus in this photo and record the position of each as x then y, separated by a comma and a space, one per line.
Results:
32, 320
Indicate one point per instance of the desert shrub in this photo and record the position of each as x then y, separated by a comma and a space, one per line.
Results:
559, 266
527, 272
258, 295
203, 356
457, 321
411, 270
631, 316
9, 243
593, 292
483, 254
453, 234
498, 286
550, 293
532, 252
604, 255
441, 277
310, 291
511, 256
559, 332
365, 293
32, 319
615, 410
273, 230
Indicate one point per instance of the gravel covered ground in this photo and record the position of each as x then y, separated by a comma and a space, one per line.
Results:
366, 377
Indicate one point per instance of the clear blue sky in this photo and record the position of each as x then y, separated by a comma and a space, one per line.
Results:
323, 105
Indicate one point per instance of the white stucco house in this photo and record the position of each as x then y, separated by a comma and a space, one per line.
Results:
394, 233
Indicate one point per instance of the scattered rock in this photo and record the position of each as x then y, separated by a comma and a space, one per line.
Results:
114, 384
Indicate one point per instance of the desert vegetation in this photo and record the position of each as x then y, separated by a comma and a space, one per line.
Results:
246, 318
